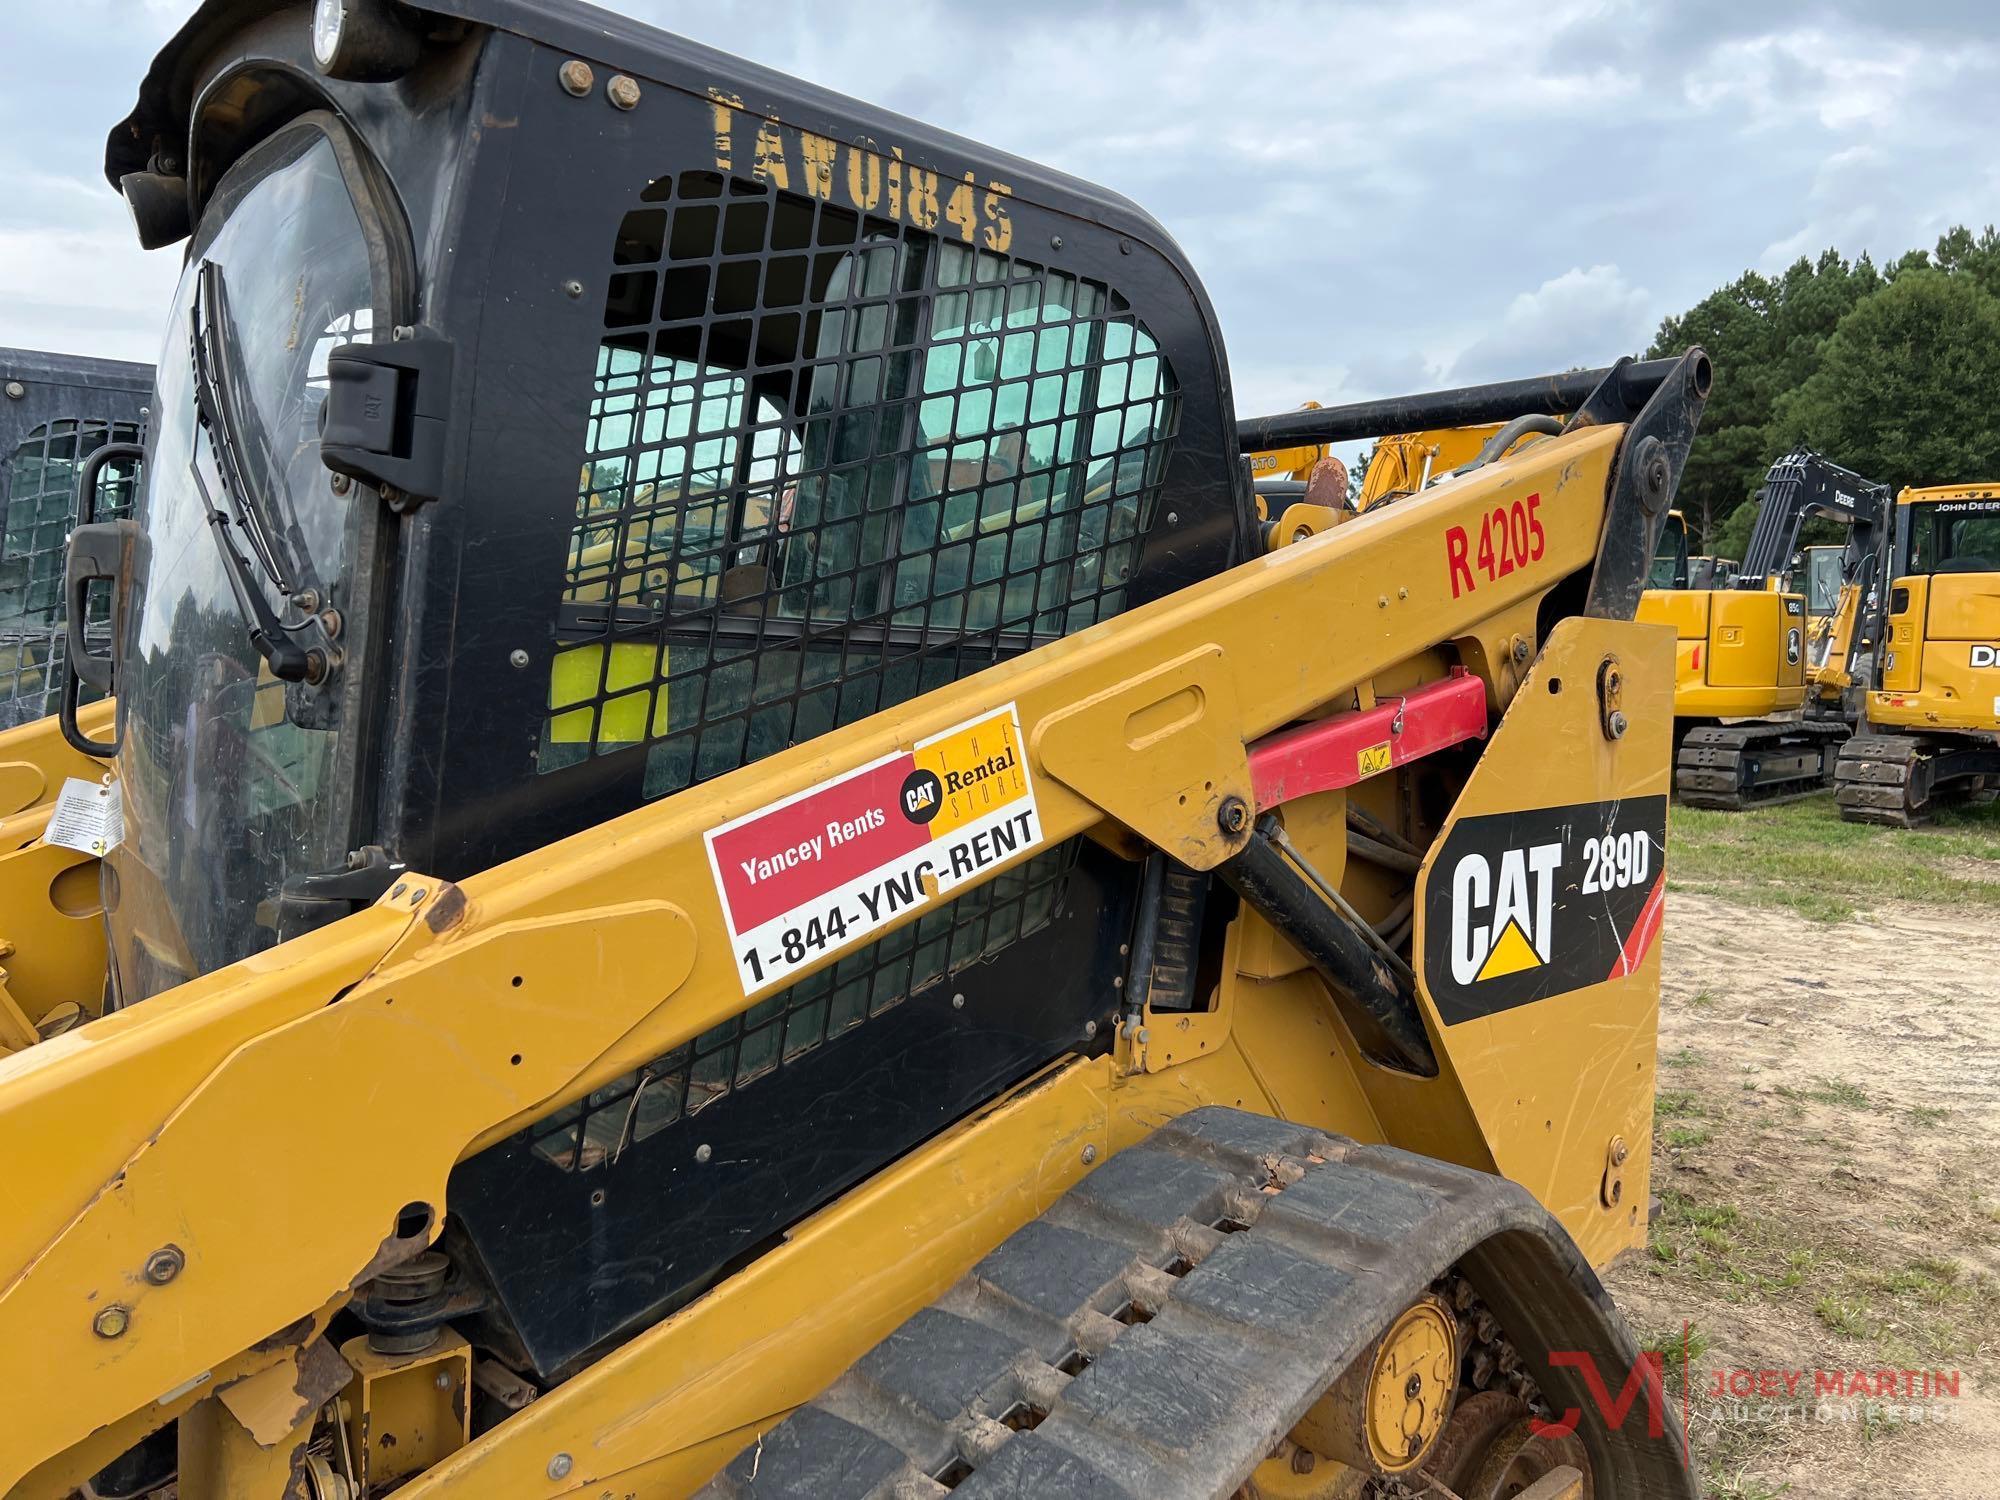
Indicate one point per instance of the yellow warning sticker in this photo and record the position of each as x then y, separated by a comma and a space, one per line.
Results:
1374, 760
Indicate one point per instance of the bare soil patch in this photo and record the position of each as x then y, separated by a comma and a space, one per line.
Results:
1829, 1099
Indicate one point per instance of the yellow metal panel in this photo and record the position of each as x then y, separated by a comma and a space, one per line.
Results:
1949, 492
1903, 671
52, 918
59, 1478
1160, 753
406, 1412
316, 1088
1684, 609
1748, 635
1552, 1081
35, 759
220, 1460
1964, 607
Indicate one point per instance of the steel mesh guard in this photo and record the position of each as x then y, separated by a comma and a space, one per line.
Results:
39, 497
831, 463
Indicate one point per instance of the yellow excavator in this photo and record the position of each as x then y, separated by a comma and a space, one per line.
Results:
723, 858
1931, 698
1755, 720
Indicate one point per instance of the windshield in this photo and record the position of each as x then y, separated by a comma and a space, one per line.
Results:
1954, 536
1670, 558
229, 775
1823, 579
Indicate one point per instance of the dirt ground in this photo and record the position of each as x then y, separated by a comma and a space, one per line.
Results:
1829, 1102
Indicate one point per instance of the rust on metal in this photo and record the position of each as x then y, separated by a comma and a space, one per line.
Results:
448, 910
393, 1251
290, 1336
282, 1398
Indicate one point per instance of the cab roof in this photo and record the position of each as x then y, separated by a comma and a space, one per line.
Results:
1989, 491
161, 114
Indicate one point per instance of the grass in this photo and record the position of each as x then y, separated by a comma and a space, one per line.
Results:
1837, 1091
1845, 1315
1801, 856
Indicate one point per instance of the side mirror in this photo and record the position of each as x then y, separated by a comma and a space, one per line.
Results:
97, 550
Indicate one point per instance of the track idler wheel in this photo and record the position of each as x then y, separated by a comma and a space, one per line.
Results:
1381, 1418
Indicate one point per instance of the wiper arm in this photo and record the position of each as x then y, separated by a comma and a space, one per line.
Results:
287, 659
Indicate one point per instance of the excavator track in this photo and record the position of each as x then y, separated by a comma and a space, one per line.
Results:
1903, 780
1734, 766
1163, 1327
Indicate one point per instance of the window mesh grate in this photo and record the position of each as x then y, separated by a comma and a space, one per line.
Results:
40, 513
832, 462
797, 1019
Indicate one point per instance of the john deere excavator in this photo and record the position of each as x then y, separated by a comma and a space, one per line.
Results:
1754, 721
1932, 700
724, 856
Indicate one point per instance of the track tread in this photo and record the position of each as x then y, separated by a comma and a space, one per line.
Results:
1198, 1291
1903, 780
1723, 766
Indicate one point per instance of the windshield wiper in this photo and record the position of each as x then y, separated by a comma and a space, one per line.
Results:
288, 660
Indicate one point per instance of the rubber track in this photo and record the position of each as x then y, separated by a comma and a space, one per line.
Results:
1901, 780
1708, 767
1881, 778
1170, 1318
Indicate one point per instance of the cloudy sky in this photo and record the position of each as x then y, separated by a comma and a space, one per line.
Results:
1380, 197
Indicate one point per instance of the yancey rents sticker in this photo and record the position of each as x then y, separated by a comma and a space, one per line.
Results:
840, 860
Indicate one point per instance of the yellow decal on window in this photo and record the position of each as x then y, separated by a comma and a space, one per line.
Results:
620, 719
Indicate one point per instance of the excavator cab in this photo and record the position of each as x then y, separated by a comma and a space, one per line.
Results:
706, 730
1932, 735
1670, 563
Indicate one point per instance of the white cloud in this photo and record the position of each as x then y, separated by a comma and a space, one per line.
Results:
1582, 317
1364, 189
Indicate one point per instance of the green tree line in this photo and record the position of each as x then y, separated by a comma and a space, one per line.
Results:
1892, 371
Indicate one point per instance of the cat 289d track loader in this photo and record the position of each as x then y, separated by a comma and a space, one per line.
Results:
725, 856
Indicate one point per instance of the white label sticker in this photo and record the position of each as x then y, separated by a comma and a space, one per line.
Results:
89, 817
814, 872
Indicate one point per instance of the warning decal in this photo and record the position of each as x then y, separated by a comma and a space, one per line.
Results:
839, 860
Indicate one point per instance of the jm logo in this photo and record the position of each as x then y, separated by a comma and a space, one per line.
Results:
1501, 920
